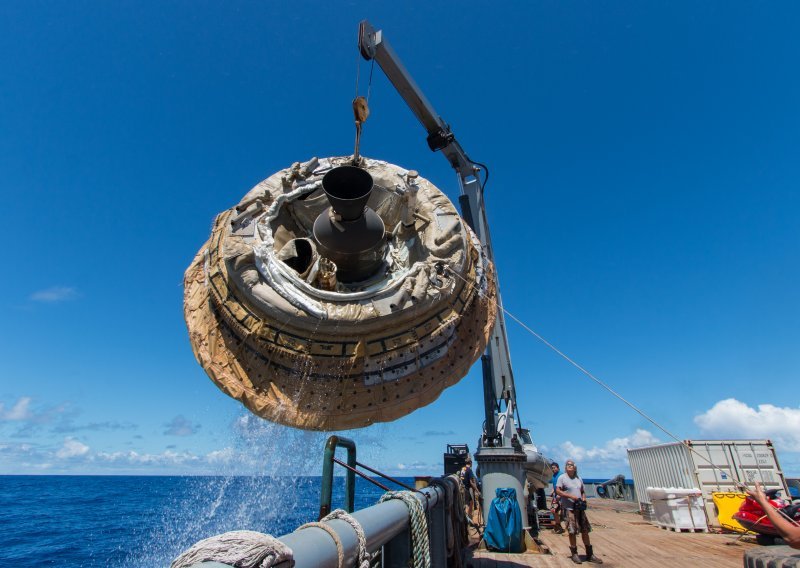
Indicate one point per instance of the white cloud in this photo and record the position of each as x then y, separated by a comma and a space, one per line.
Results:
225, 455
607, 459
181, 426
416, 466
614, 449
251, 449
731, 418
72, 448
20, 411
30, 417
133, 458
54, 294
74, 455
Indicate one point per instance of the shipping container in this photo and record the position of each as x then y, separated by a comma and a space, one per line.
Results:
710, 465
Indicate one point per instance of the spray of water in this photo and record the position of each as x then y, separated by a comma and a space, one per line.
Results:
265, 482
268, 482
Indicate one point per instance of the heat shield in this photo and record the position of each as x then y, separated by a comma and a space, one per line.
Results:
301, 341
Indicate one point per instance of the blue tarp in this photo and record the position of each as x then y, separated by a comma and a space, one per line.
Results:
504, 522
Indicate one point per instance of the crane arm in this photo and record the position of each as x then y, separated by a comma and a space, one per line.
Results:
498, 380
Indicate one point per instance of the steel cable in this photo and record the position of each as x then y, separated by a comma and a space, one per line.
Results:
583, 370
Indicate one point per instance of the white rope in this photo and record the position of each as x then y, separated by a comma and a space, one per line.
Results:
337, 541
420, 544
244, 549
364, 557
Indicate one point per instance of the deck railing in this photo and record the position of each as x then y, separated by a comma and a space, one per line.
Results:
386, 525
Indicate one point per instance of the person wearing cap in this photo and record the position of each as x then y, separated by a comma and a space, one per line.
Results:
569, 488
470, 486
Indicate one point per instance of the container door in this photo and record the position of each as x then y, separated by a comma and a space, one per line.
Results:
714, 466
715, 471
756, 461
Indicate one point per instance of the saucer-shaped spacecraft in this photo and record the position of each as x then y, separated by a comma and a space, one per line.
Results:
334, 296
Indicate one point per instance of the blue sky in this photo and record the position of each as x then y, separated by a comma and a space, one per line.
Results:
643, 199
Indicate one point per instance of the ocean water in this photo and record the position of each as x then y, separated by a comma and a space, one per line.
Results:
145, 521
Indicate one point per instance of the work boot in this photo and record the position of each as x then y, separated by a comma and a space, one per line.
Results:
590, 557
575, 558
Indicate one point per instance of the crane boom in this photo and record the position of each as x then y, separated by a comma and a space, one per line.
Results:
498, 379
506, 455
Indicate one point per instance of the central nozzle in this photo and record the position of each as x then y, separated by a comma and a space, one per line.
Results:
348, 189
349, 233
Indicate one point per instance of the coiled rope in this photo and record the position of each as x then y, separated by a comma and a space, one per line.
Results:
420, 544
457, 536
244, 549
337, 541
364, 557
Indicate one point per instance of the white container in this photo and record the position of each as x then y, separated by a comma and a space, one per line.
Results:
678, 508
711, 465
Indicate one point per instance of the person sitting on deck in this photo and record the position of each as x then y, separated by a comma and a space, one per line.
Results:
789, 532
470, 487
570, 489
554, 505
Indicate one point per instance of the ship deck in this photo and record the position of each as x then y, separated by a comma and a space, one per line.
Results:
621, 538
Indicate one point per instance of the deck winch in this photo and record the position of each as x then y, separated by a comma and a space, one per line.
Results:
337, 295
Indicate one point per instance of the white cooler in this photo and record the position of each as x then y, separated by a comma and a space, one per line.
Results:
677, 508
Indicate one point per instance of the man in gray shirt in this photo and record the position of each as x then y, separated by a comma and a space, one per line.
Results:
569, 489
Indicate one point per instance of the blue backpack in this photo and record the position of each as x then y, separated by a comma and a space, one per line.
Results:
504, 522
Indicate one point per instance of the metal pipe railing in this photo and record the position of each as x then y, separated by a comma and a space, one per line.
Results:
385, 525
326, 490
361, 474
314, 547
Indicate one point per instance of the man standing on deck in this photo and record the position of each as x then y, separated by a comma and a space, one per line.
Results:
470, 486
554, 500
569, 488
